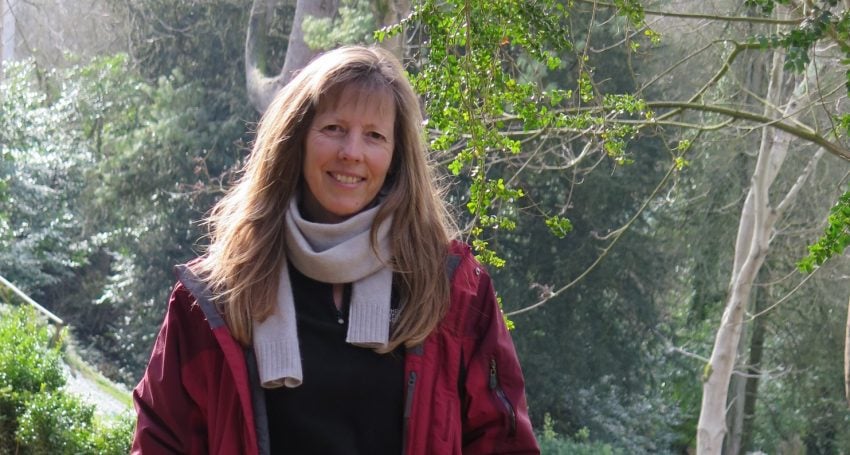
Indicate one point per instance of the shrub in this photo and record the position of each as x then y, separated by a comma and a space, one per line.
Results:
636, 424
55, 423
115, 436
27, 362
563, 446
59, 423
37, 416
28, 365
553, 444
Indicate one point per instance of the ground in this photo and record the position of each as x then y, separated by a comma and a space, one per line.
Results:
93, 393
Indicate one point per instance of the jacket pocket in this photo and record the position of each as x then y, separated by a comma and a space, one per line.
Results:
502, 399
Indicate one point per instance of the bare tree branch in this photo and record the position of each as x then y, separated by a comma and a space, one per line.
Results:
800, 132
696, 16
618, 234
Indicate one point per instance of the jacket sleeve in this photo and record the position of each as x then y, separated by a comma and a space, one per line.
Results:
168, 419
495, 419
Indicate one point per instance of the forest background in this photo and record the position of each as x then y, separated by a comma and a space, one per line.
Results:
642, 177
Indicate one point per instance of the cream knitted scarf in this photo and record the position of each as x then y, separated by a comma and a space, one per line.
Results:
330, 253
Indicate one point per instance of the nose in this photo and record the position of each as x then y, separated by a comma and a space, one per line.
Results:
351, 148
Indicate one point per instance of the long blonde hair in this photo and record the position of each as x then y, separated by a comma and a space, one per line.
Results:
246, 250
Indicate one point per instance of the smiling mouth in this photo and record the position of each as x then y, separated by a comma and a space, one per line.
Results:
348, 179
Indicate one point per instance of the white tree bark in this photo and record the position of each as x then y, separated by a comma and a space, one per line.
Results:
735, 416
847, 356
9, 30
261, 87
298, 53
756, 225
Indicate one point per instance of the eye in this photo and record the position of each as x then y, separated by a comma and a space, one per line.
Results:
333, 128
374, 135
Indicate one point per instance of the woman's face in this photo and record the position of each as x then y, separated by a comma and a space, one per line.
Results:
348, 150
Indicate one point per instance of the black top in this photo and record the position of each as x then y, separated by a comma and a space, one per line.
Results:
351, 400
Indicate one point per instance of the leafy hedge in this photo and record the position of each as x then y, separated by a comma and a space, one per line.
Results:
551, 443
37, 415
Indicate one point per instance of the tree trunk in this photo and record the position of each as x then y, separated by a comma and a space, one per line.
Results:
754, 72
297, 52
735, 415
392, 12
9, 33
756, 223
847, 355
711, 427
262, 88
755, 227
754, 370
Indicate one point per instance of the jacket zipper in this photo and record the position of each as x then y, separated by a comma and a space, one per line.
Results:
408, 406
503, 399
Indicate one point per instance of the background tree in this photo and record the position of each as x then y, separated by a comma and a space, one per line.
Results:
756, 230
630, 131
480, 156
261, 87
315, 26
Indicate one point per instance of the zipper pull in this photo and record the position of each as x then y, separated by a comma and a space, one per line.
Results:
503, 399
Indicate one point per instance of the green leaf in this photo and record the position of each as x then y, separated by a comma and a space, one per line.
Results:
835, 239
559, 226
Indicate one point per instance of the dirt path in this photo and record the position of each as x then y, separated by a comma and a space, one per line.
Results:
91, 393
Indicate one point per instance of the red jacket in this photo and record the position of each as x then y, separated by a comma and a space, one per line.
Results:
464, 394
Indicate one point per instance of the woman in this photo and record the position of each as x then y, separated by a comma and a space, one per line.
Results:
334, 312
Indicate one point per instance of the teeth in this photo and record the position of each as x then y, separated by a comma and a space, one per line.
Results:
346, 178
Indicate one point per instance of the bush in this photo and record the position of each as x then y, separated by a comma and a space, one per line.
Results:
561, 446
115, 436
553, 444
27, 362
59, 423
37, 416
55, 423
636, 424
28, 365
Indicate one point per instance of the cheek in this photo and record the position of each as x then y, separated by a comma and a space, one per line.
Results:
308, 169
315, 154
386, 164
